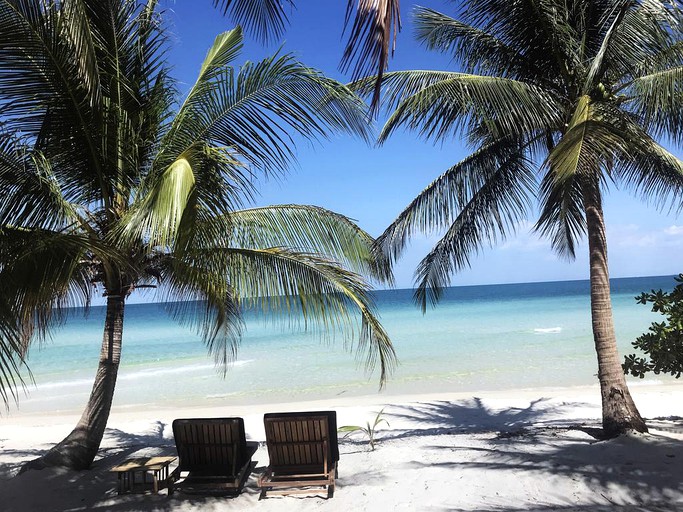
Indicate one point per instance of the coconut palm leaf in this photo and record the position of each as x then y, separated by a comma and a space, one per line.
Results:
225, 49
644, 166
659, 60
312, 290
80, 35
372, 38
477, 50
372, 33
41, 75
198, 295
265, 18
657, 100
547, 41
568, 162
613, 20
251, 110
487, 211
158, 215
12, 355
308, 229
43, 273
439, 204
562, 218
643, 35
31, 194
439, 105
251, 114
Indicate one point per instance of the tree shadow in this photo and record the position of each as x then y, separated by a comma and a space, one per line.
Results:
588, 507
18, 458
468, 438
473, 416
538, 438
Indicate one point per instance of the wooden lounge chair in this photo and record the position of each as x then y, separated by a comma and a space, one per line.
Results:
303, 450
213, 455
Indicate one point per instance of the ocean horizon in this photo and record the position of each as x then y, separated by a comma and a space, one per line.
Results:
478, 338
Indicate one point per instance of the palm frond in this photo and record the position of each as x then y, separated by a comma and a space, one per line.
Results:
137, 95
314, 291
205, 183
644, 37
312, 230
561, 198
657, 99
266, 19
32, 195
158, 215
226, 47
542, 30
562, 219
42, 273
12, 359
645, 166
436, 207
598, 65
84, 125
255, 111
438, 105
485, 195
478, 51
198, 295
79, 34
565, 158
372, 38
671, 56
41, 87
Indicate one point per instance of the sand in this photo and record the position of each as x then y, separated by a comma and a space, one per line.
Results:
505, 451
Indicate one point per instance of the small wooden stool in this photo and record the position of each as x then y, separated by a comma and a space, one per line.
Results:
157, 467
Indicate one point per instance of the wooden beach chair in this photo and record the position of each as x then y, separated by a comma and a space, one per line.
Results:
303, 450
213, 455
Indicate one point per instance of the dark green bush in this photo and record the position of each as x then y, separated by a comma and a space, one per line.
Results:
662, 345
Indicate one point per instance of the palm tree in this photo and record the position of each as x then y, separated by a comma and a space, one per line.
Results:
372, 37
559, 100
110, 186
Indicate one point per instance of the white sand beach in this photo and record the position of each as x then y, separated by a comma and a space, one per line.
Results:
503, 451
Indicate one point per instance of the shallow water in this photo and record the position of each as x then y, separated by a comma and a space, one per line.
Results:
478, 338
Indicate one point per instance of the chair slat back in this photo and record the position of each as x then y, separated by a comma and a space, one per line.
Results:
210, 444
302, 439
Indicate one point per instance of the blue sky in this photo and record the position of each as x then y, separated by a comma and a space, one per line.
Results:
372, 185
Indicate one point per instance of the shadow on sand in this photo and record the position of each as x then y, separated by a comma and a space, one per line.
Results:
645, 471
629, 474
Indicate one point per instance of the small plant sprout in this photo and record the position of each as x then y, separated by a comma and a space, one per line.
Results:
369, 430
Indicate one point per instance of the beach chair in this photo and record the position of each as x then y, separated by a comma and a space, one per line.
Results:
213, 455
303, 450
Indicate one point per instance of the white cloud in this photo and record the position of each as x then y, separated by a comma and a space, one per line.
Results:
525, 239
631, 235
674, 230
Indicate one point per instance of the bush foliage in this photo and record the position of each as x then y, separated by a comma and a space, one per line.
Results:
662, 345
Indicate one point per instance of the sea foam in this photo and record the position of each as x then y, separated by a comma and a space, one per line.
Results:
548, 330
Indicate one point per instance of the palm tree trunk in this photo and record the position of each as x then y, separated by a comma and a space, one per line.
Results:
79, 448
619, 412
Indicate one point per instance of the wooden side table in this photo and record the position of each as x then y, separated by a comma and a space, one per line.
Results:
133, 474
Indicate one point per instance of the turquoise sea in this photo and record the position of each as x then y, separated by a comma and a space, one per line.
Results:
478, 338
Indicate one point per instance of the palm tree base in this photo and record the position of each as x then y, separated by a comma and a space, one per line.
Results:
619, 413
73, 452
